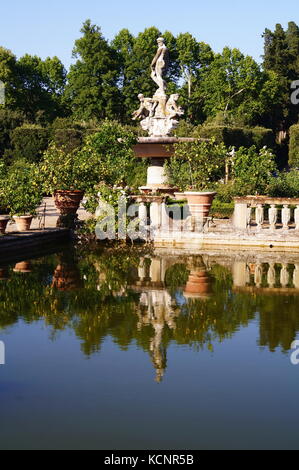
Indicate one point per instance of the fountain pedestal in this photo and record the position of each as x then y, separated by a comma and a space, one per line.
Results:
157, 149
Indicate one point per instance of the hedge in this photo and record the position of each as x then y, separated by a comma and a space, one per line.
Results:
294, 146
9, 120
239, 136
69, 138
28, 143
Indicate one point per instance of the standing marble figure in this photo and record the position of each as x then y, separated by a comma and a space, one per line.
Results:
159, 66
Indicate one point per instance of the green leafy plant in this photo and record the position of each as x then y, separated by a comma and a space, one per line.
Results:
196, 165
21, 189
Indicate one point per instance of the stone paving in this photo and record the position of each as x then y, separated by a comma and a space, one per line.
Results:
51, 216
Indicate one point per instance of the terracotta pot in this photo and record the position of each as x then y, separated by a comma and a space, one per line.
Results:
23, 222
199, 203
68, 202
198, 285
3, 224
23, 267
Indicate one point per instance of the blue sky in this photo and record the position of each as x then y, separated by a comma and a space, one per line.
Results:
48, 28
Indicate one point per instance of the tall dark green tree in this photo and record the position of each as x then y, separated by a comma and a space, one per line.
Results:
281, 52
92, 90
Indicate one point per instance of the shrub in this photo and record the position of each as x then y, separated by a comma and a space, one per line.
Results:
21, 189
253, 171
9, 120
238, 136
196, 165
28, 143
294, 146
285, 185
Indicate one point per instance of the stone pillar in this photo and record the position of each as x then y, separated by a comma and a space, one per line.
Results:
165, 222
259, 216
240, 216
272, 217
155, 173
258, 274
155, 270
284, 275
142, 215
296, 276
285, 216
155, 215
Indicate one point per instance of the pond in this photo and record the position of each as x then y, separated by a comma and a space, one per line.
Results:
134, 349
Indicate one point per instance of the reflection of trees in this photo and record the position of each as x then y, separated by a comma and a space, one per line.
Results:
94, 296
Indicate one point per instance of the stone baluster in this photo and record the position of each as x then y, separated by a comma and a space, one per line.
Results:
286, 216
273, 216
296, 276
165, 222
155, 215
284, 275
271, 275
142, 215
259, 216
249, 212
296, 216
258, 274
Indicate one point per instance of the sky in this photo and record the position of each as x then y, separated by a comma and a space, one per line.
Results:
48, 28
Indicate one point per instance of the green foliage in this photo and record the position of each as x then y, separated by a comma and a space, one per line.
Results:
21, 189
105, 156
238, 136
9, 120
68, 139
294, 146
111, 150
285, 185
196, 165
92, 81
253, 170
28, 143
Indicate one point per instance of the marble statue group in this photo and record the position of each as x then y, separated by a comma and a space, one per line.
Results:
157, 114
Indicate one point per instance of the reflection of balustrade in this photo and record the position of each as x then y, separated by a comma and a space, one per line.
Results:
266, 213
266, 277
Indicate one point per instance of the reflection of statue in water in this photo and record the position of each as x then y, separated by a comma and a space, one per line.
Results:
160, 66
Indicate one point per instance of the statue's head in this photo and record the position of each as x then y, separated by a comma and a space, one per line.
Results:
160, 41
140, 96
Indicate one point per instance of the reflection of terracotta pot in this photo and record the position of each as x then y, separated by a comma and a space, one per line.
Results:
199, 203
3, 274
198, 285
23, 267
66, 278
23, 222
3, 224
68, 202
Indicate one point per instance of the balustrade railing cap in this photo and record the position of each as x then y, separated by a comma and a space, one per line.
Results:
266, 200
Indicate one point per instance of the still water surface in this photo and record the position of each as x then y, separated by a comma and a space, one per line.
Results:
128, 349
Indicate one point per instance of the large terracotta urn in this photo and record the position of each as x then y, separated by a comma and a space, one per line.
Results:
68, 202
199, 203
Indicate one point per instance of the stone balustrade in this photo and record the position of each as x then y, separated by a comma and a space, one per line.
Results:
266, 213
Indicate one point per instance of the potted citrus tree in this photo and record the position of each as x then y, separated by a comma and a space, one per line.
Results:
195, 169
66, 175
23, 193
